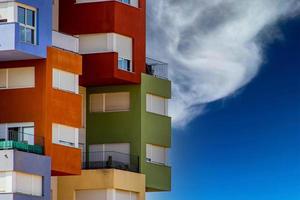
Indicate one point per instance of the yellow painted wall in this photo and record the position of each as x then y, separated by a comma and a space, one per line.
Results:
101, 179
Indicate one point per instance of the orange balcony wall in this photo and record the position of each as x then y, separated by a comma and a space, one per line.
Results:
107, 17
44, 105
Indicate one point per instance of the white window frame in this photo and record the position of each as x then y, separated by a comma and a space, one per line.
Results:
26, 26
7, 87
104, 103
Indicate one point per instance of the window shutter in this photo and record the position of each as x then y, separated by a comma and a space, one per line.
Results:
21, 77
67, 134
96, 103
3, 73
117, 101
67, 81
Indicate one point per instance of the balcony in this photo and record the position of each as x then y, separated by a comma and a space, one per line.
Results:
110, 160
22, 142
65, 42
25, 30
157, 68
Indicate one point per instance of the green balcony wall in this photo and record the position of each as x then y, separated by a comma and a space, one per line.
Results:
135, 126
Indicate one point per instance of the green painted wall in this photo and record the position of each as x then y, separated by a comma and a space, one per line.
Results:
136, 127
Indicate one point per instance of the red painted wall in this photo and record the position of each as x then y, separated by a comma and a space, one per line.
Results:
107, 17
44, 105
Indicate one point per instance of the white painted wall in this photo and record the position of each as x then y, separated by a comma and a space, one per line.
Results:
66, 42
106, 42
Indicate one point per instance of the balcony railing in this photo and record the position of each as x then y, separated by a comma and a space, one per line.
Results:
110, 160
157, 68
22, 142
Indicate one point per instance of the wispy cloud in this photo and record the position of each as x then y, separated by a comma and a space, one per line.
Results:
213, 47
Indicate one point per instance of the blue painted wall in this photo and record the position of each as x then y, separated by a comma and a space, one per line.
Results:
44, 28
11, 48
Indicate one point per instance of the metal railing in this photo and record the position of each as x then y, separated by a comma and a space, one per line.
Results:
110, 160
22, 141
157, 68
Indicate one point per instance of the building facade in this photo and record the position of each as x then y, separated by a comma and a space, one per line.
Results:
84, 112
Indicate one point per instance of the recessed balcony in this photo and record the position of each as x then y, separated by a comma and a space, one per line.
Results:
110, 160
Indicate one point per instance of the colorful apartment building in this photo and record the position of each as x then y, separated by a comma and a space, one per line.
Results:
84, 113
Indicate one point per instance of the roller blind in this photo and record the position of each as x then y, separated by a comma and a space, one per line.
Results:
156, 154
66, 81
117, 101
37, 185
65, 135
156, 104
21, 77
3, 73
110, 102
96, 103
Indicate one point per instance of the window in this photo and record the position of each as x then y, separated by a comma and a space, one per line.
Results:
125, 1
17, 182
65, 135
124, 64
23, 132
12, 78
27, 21
110, 102
156, 154
65, 81
156, 104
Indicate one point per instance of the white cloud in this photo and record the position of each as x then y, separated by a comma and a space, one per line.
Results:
213, 47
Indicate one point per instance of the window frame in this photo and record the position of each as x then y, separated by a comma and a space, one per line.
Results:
25, 25
128, 66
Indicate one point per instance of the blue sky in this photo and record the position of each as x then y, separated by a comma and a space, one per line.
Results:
246, 147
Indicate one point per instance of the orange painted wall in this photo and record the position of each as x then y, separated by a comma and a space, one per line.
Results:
44, 105
106, 17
